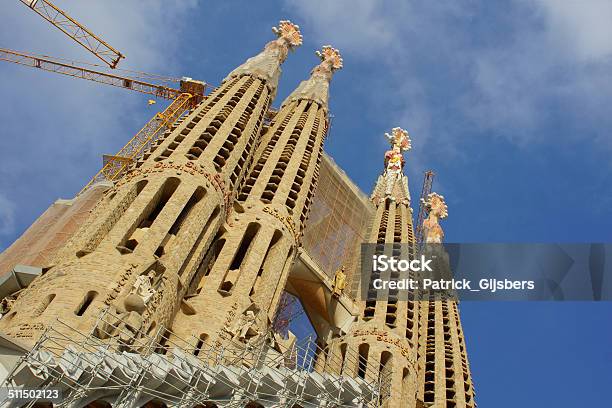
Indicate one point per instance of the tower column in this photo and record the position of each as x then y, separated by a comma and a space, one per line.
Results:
382, 336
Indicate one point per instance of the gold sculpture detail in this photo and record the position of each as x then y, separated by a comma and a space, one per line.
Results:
331, 60
339, 283
436, 209
316, 88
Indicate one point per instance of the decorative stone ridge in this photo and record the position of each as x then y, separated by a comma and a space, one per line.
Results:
383, 336
191, 168
266, 64
287, 221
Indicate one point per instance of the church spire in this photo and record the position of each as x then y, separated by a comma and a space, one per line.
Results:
316, 88
266, 64
393, 184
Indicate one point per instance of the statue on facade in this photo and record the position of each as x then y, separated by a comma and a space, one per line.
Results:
245, 327
394, 159
436, 209
339, 283
142, 291
124, 319
7, 303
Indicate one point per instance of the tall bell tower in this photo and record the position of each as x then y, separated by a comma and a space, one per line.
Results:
385, 333
444, 376
412, 344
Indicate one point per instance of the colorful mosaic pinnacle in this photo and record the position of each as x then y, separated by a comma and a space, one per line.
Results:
436, 205
399, 138
331, 56
290, 32
436, 209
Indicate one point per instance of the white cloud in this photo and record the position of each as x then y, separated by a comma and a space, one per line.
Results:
358, 26
581, 27
514, 66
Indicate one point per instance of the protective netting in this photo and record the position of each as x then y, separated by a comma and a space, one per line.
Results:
337, 224
50, 232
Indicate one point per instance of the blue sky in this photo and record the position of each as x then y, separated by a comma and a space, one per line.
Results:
509, 102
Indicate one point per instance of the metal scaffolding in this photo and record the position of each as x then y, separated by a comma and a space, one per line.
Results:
162, 368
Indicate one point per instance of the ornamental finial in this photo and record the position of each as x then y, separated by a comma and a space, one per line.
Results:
289, 32
436, 209
394, 160
316, 88
399, 138
331, 57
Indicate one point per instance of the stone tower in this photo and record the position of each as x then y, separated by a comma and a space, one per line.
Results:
444, 372
238, 288
145, 240
385, 333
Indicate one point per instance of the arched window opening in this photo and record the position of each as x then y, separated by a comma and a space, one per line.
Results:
45, 304
231, 276
271, 247
154, 209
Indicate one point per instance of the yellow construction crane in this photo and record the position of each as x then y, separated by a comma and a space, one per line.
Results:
189, 94
75, 30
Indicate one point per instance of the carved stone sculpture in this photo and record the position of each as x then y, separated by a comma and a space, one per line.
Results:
245, 328
339, 283
436, 209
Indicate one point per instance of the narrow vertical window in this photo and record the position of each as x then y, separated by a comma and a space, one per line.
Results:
85, 303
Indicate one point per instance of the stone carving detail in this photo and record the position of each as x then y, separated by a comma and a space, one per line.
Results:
383, 336
339, 283
436, 209
266, 64
246, 327
27, 330
287, 221
394, 160
119, 284
7, 303
128, 314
